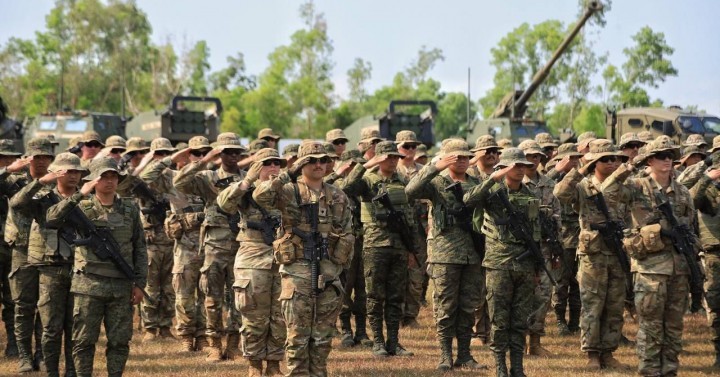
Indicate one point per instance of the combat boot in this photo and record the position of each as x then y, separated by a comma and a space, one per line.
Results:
11, 349
378, 348
535, 349
273, 369
516, 363
214, 350
563, 329
200, 343
360, 333
392, 346
25, 365
446, 361
346, 338
166, 333
38, 360
594, 360
608, 361
255, 368
150, 335
186, 343
232, 351
464, 358
501, 369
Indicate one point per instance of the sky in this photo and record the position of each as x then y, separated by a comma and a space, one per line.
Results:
388, 34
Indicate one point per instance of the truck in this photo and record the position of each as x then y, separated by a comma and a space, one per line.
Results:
673, 121
413, 115
65, 125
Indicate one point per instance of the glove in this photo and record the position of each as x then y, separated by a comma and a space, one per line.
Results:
294, 172
253, 173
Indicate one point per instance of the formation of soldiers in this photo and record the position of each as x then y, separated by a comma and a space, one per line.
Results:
242, 252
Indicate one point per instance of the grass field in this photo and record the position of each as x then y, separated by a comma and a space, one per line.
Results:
162, 357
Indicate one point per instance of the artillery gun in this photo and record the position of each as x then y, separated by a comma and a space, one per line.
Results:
508, 120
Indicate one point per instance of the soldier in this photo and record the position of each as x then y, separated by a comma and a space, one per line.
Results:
353, 277
601, 276
661, 282
421, 155
7, 157
691, 155
24, 278
453, 260
183, 227
691, 175
334, 157
75, 146
338, 139
217, 235
102, 293
584, 140
114, 148
52, 255
505, 143
487, 154
548, 144
158, 311
256, 145
696, 140
407, 144
542, 187
646, 136
566, 298
317, 213
706, 198
257, 278
135, 149
369, 136
510, 282
91, 145
385, 252
270, 136
630, 144
290, 154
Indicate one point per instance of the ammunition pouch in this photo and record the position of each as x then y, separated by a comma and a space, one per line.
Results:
173, 226
652, 238
633, 244
590, 242
341, 248
287, 249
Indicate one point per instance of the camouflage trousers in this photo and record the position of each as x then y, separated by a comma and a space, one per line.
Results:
482, 319
354, 283
661, 302
89, 312
541, 300
56, 309
457, 289
310, 325
24, 282
602, 293
8, 306
712, 294
415, 280
257, 298
385, 284
217, 278
189, 298
161, 311
567, 292
510, 302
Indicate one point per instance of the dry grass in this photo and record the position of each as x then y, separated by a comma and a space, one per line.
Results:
162, 358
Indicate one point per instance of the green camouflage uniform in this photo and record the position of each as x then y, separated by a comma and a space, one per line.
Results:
101, 292
8, 306
706, 198
453, 263
310, 318
257, 280
218, 242
52, 256
600, 277
384, 254
183, 227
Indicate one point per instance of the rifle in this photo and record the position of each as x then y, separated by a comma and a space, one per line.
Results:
233, 218
76, 148
683, 239
157, 208
125, 160
315, 246
550, 232
269, 224
464, 217
519, 226
101, 241
395, 219
611, 232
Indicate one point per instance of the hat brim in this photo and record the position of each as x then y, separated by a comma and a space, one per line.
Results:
714, 149
370, 140
91, 176
337, 138
685, 157
283, 162
55, 168
545, 145
230, 146
459, 153
503, 164
11, 154
33, 154
675, 151
561, 156
130, 150
172, 150
584, 144
478, 149
592, 158
102, 145
534, 151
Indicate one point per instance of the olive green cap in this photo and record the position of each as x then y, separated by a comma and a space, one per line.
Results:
354, 155
74, 142
513, 156
7, 148
39, 146
335, 134
629, 137
661, 144
161, 144
531, 147
457, 147
266, 154
600, 148
267, 132
406, 137
505, 143
695, 139
257, 145
691, 150
485, 142
181, 145
388, 148
330, 150
291, 150
115, 142
544, 139
310, 149
228, 140
369, 134
421, 151
198, 143
66, 161
89, 136
646, 136
567, 149
716, 145
99, 166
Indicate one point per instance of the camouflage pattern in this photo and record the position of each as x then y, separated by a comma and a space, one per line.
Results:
711, 263
218, 242
386, 274
510, 299
6, 192
55, 306
257, 279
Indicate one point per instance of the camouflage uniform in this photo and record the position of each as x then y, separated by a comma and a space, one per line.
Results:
218, 243
706, 198
257, 280
600, 277
182, 225
309, 316
453, 263
8, 306
89, 136
101, 292
384, 253
510, 283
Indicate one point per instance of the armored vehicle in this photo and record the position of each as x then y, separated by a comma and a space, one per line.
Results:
69, 124
186, 117
672, 121
508, 120
416, 116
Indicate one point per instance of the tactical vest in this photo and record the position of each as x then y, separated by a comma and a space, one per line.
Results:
121, 223
251, 213
46, 247
371, 212
524, 201
326, 213
441, 211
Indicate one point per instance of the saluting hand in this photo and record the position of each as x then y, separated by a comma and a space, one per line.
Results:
52, 176
19, 164
89, 186
498, 175
446, 161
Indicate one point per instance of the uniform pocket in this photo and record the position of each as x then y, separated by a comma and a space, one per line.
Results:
284, 249
244, 295
341, 249
647, 296
652, 238
589, 242
288, 290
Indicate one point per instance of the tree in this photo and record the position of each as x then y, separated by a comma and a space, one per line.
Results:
358, 76
422, 64
198, 65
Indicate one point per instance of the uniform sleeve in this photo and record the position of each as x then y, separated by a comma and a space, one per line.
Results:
229, 199
189, 182
354, 185
345, 219
23, 199
140, 257
566, 189
699, 194
420, 186
690, 176
477, 196
57, 213
267, 194
154, 171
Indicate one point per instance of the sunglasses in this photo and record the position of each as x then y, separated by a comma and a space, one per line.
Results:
663, 156
633, 146
533, 156
117, 150
492, 151
163, 153
198, 153
322, 160
93, 144
375, 141
339, 142
408, 146
231, 152
607, 159
272, 162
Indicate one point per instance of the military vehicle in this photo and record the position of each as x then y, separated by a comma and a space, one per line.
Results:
186, 117
9, 128
672, 121
66, 125
508, 120
416, 116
